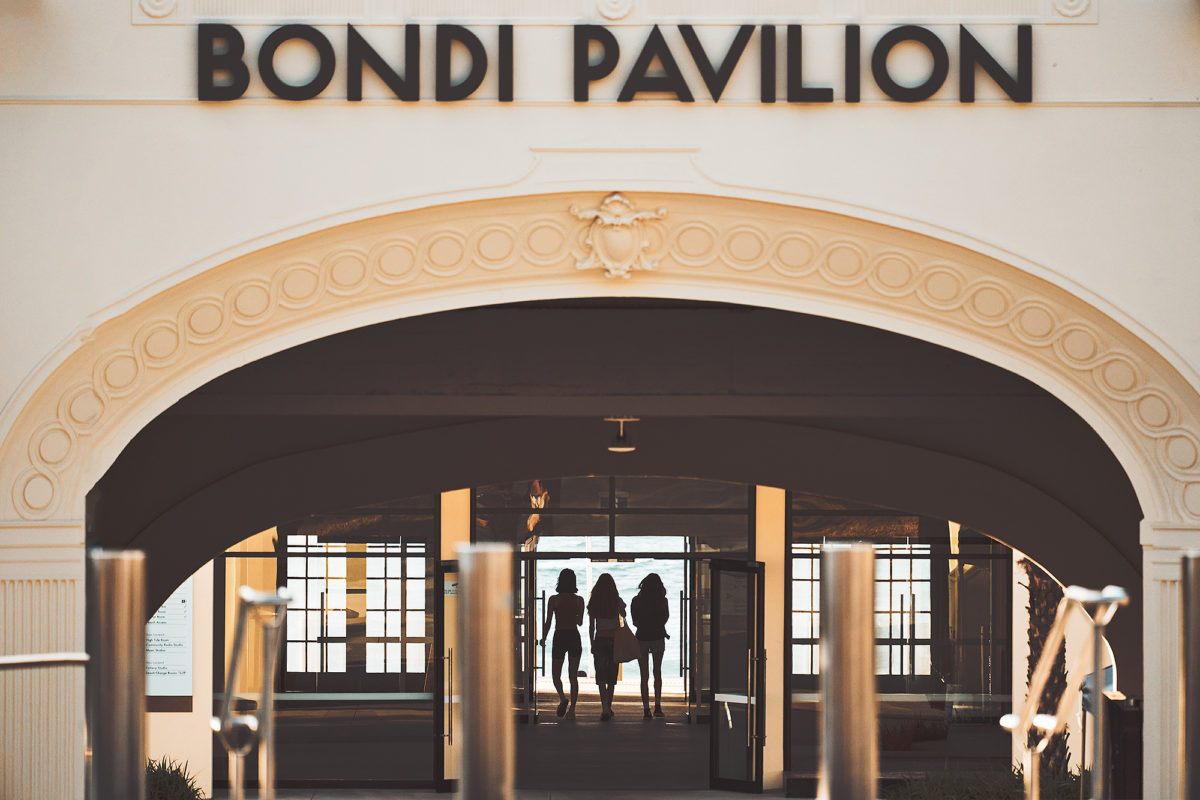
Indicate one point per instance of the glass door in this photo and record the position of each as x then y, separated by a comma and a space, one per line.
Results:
737, 676
448, 676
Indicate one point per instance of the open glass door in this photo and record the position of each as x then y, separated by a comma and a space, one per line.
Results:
449, 707
737, 676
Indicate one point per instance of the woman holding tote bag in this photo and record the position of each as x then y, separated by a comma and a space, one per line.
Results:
606, 609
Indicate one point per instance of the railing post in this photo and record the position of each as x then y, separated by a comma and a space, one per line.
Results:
1189, 695
116, 674
485, 640
849, 768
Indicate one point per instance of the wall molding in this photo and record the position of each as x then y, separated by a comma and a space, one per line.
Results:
133, 366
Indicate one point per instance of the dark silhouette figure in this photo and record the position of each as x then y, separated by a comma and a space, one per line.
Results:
650, 613
605, 611
566, 609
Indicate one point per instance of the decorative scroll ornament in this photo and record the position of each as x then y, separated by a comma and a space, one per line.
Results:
615, 237
1071, 8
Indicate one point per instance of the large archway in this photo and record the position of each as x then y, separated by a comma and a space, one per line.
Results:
135, 365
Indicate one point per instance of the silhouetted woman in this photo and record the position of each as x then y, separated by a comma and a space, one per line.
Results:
566, 609
605, 610
650, 614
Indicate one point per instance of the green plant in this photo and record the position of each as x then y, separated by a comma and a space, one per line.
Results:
167, 779
1044, 594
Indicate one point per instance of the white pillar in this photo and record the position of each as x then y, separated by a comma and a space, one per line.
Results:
1162, 548
770, 547
41, 610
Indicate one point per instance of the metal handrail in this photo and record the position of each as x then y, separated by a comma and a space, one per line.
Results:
239, 732
44, 660
1075, 598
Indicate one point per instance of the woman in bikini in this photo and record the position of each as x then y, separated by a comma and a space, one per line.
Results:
566, 609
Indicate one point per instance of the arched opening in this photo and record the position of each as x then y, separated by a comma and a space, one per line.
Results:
911, 432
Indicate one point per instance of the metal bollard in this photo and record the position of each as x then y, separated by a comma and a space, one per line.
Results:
849, 767
1189, 695
116, 674
485, 639
239, 732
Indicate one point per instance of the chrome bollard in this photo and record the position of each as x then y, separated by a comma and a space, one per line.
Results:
849, 766
485, 625
1104, 604
239, 732
1189, 694
116, 674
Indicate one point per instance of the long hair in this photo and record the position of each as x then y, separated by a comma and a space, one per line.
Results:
652, 586
566, 582
604, 602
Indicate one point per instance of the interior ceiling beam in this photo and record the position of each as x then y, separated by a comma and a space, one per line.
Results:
479, 405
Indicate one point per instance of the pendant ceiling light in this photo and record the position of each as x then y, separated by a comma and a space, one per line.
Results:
623, 441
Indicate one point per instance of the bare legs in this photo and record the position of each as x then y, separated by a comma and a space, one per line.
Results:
573, 666
606, 698
556, 676
572, 676
643, 670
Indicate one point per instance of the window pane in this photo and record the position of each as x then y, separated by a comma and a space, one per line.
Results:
374, 623
416, 595
802, 659
393, 592
414, 657
802, 568
314, 657
374, 593
316, 567
374, 656
393, 623
336, 597
415, 567
395, 565
924, 626
296, 587
416, 624
337, 567
335, 624
900, 568
881, 659
921, 568
374, 567
295, 657
314, 624
394, 663
315, 589
295, 566
295, 625
335, 657
922, 660
801, 600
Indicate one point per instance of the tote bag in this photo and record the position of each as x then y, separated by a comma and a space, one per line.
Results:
625, 645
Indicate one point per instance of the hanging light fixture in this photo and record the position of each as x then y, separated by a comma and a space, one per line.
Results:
623, 441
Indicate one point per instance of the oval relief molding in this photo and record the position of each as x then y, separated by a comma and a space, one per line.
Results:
531, 247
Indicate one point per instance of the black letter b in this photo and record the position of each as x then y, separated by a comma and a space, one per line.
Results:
209, 62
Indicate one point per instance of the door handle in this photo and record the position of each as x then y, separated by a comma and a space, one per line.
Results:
450, 685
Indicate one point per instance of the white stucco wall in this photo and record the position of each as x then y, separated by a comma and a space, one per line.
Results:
115, 177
